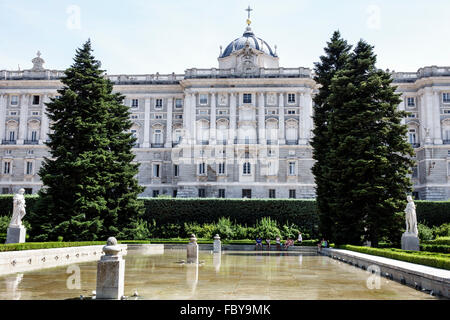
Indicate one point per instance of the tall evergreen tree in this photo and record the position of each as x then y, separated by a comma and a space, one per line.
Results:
371, 154
89, 187
336, 57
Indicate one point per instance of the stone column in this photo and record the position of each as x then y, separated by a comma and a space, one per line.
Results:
437, 118
422, 118
193, 120
232, 133
44, 120
186, 117
261, 119
169, 123
212, 119
24, 100
308, 115
217, 246
110, 272
281, 130
302, 120
192, 250
146, 143
3, 98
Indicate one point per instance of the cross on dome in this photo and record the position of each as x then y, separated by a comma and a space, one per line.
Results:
248, 11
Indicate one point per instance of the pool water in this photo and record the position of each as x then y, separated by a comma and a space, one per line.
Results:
230, 275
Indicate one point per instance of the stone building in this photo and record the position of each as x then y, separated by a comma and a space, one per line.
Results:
239, 130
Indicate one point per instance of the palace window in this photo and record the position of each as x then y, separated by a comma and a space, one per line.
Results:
222, 168
291, 97
412, 136
134, 116
134, 103
158, 103
271, 193
178, 116
155, 193
8, 151
156, 170
158, 116
411, 102
36, 99
14, 100
292, 194
178, 103
201, 193
28, 190
203, 99
246, 169
292, 168
176, 170
29, 169
201, 168
291, 111
35, 113
247, 98
6, 167
157, 136
13, 113
246, 193
12, 135
221, 193
446, 97
30, 152
5, 191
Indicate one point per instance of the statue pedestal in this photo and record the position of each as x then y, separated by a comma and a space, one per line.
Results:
410, 241
16, 234
110, 277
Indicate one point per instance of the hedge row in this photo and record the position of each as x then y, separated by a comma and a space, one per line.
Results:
433, 213
51, 245
437, 260
435, 248
438, 241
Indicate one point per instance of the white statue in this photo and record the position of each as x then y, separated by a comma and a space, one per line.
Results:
18, 208
411, 218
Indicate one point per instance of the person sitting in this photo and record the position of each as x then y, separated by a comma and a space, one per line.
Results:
300, 238
258, 243
278, 242
289, 242
268, 243
322, 244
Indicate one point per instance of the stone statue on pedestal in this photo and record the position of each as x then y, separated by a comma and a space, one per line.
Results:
18, 208
410, 239
411, 218
16, 231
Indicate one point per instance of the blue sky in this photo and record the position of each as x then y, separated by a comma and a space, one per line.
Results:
139, 36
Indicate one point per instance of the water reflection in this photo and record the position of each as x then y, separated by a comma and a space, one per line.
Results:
217, 258
12, 284
192, 276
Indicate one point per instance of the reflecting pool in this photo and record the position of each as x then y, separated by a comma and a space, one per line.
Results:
230, 275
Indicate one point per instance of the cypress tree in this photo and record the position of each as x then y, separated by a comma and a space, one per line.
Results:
89, 188
336, 57
370, 151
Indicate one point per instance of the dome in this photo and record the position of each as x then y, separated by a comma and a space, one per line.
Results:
254, 42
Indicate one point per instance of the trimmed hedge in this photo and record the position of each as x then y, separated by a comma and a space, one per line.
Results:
432, 259
432, 213
438, 240
210, 241
51, 245
435, 248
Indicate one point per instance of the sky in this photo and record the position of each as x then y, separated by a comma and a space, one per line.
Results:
165, 36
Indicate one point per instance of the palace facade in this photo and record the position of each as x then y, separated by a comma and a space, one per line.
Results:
239, 130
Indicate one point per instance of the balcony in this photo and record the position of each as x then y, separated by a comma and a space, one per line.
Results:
245, 141
291, 142
446, 141
30, 141
157, 145
9, 141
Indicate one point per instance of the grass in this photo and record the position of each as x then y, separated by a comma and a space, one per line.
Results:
432, 259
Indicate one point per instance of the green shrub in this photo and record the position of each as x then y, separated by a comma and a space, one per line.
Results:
267, 228
224, 228
442, 231
47, 245
433, 213
435, 248
425, 233
438, 240
432, 259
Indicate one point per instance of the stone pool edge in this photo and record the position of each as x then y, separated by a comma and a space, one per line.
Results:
420, 277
